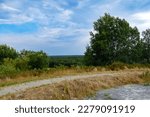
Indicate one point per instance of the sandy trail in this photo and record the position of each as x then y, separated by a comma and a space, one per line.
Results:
32, 84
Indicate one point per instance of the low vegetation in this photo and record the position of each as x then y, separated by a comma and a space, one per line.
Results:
146, 77
78, 89
29, 66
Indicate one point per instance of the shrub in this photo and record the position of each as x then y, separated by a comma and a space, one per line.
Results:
22, 63
7, 71
7, 52
117, 66
38, 60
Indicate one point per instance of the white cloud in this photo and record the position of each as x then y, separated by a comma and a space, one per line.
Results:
65, 15
16, 19
8, 8
143, 16
82, 3
141, 20
59, 34
50, 40
44, 12
52, 4
57, 20
13, 14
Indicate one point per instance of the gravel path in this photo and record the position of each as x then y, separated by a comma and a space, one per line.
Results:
32, 84
126, 92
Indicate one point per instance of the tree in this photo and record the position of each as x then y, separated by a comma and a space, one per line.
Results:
38, 60
146, 41
113, 39
7, 52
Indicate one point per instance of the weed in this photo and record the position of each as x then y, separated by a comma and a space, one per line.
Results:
107, 96
146, 84
146, 76
117, 66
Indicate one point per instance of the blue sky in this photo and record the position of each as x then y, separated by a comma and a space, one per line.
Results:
61, 27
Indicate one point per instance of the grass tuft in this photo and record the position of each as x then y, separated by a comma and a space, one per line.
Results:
146, 77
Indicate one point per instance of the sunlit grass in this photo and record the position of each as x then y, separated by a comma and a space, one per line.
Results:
76, 89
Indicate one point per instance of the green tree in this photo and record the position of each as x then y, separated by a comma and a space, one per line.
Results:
7, 52
113, 39
38, 60
146, 41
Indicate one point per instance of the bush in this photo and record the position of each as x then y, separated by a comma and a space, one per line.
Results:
38, 60
117, 66
22, 63
8, 69
7, 52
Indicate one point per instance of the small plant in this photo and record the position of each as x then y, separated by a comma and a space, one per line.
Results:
146, 76
117, 66
107, 96
146, 84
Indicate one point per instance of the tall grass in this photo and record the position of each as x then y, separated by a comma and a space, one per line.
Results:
75, 89
115, 66
9, 74
146, 77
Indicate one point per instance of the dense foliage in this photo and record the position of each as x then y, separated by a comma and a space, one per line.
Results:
7, 52
113, 39
65, 61
13, 62
146, 45
38, 60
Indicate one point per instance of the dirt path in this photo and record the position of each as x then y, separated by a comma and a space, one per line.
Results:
32, 84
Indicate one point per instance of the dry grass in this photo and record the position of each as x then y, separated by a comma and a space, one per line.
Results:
77, 89
146, 77
33, 75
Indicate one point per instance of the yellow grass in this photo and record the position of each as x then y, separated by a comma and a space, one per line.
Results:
78, 89
33, 75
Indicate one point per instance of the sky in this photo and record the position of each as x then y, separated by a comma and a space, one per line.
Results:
61, 27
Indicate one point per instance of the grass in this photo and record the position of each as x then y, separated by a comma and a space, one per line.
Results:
146, 77
32, 75
26, 76
9, 75
76, 89
107, 96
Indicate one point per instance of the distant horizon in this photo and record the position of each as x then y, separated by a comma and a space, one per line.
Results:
62, 27
66, 55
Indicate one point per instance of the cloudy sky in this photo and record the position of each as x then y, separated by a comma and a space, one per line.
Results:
61, 27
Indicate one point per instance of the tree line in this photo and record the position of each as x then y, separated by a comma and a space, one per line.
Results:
24, 59
12, 60
113, 40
